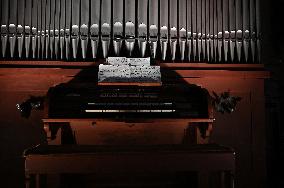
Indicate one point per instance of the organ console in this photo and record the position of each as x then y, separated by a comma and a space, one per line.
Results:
126, 119
168, 30
213, 31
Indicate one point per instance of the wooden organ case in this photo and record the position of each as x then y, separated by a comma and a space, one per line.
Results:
137, 134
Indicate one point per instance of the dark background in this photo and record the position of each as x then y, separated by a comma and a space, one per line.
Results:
272, 15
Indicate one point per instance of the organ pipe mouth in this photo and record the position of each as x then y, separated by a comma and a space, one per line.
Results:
34, 31
164, 32
106, 29
84, 30
118, 30
226, 35
56, 32
142, 30
189, 34
4, 29
182, 33
246, 34
41, 32
153, 30
67, 32
27, 29
20, 30
47, 32
173, 32
130, 29
51, 33
13, 29
61, 32
233, 34
94, 30
75, 30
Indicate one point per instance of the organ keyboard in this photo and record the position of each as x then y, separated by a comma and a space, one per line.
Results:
169, 30
128, 102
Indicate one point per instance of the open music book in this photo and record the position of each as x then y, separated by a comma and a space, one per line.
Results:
134, 70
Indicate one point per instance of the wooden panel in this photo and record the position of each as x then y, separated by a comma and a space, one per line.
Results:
222, 73
131, 132
163, 65
128, 84
197, 120
130, 162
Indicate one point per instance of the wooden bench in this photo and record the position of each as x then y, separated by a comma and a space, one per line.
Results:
125, 166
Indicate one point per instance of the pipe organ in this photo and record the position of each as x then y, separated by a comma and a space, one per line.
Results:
214, 31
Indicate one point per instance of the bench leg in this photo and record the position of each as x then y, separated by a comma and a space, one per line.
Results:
36, 181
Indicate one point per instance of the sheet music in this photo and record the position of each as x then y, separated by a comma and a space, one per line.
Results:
138, 61
145, 74
128, 61
113, 73
121, 69
116, 60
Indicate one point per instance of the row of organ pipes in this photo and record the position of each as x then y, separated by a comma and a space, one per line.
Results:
217, 31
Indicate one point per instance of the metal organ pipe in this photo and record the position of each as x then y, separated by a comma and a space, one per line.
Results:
164, 25
62, 23
4, 27
47, 29
57, 28
106, 26
173, 28
68, 24
129, 11
34, 27
154, 26
142, 26
215, 31
182, 28
15, 27
118, 25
